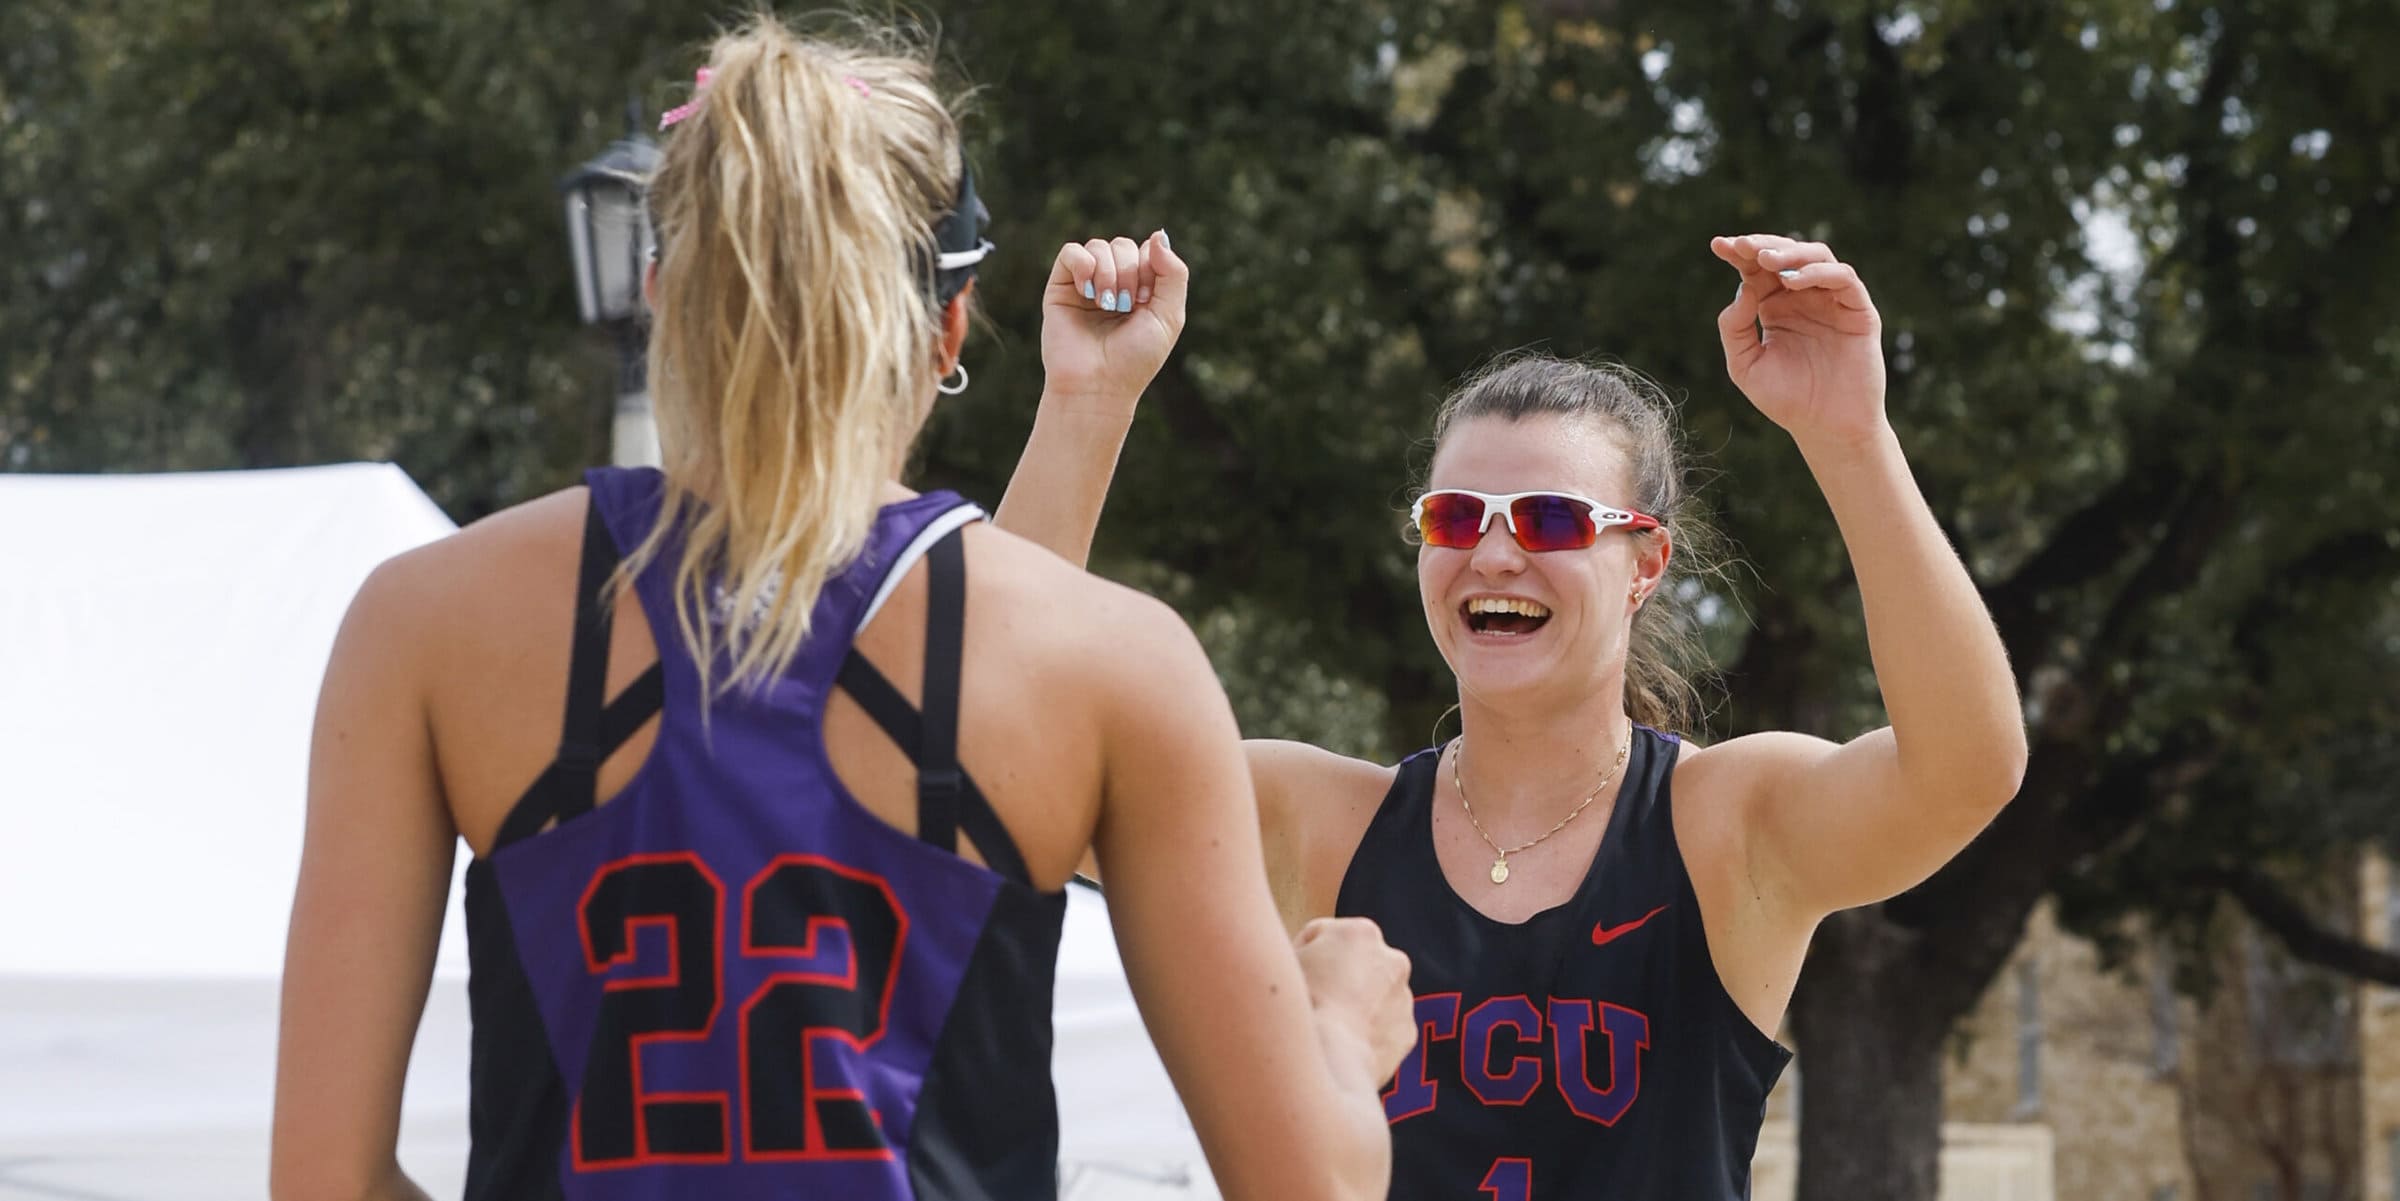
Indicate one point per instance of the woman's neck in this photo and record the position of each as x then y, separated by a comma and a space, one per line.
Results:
1536, 760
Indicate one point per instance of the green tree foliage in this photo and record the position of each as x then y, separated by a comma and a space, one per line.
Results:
2137, 259
258, 235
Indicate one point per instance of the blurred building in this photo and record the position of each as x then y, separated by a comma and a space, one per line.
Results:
2084, 1081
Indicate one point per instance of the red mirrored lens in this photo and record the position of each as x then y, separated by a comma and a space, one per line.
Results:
1547, 522
1449, 519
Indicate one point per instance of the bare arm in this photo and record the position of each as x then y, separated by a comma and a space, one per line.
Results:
1281, 1079
1313, 807
1095, 364
1310, 817
1062, 478
1846, 825
374, 874
1283, 838
1227, 1001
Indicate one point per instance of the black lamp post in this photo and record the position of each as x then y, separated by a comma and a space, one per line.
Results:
609, 231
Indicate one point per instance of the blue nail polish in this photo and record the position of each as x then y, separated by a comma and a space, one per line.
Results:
1108, 301
1087, 289
1789, 273
1116, 302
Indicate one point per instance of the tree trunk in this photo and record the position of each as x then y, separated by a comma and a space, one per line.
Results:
1870, 1050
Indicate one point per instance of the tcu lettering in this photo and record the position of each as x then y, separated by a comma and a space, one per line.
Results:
1594, 1061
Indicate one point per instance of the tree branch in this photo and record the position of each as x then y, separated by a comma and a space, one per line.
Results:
2096, 538
2173, 565
2309, 940
2357, 556
2090, 542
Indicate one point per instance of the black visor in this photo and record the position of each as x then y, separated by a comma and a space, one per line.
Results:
958, 240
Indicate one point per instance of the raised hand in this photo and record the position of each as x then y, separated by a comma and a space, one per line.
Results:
1110, 315
1802, 338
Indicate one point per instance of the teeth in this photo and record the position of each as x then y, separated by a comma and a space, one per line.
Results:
1506, 604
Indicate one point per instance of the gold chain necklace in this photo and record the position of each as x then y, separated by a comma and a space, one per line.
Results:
1500, 862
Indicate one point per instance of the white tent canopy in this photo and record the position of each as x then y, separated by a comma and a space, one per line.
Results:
161, 643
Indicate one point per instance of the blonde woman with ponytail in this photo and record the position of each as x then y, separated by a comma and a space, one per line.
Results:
1605, 921
773, 771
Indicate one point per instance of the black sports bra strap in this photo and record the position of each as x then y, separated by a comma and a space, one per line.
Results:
580, 746
938, 777
876, 694
552, 795
991, 838
629, 709
592, 731
900, 722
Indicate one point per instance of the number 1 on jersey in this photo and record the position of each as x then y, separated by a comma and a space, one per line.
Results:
1510, 1180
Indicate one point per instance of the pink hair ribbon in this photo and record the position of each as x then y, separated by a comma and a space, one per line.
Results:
681, 112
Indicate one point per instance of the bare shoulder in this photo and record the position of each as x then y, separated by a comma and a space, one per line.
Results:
1717, 790
494, 552
1102, 631
1728, 773
1314, 807
441, 583
1311, 778
545, 533
490, 599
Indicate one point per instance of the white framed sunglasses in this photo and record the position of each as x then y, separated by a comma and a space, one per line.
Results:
1456, 518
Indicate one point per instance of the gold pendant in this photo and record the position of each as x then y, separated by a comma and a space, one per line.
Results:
1500, 870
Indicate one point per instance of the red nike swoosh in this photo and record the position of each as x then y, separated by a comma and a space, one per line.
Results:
1604, 934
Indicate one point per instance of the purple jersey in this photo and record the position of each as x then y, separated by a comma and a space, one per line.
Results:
732, 980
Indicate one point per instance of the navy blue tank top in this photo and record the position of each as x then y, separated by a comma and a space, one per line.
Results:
732, 980
1590, 1052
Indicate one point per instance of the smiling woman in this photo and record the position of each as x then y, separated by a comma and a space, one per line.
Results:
1582, 431
1456, 518
1605, 923
1504, 615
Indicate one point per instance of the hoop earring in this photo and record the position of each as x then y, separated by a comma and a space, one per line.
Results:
944, 386
1433, 736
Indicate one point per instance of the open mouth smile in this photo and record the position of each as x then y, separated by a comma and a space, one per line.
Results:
1503, 616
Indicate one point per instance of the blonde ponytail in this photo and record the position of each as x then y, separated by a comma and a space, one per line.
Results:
795, 333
